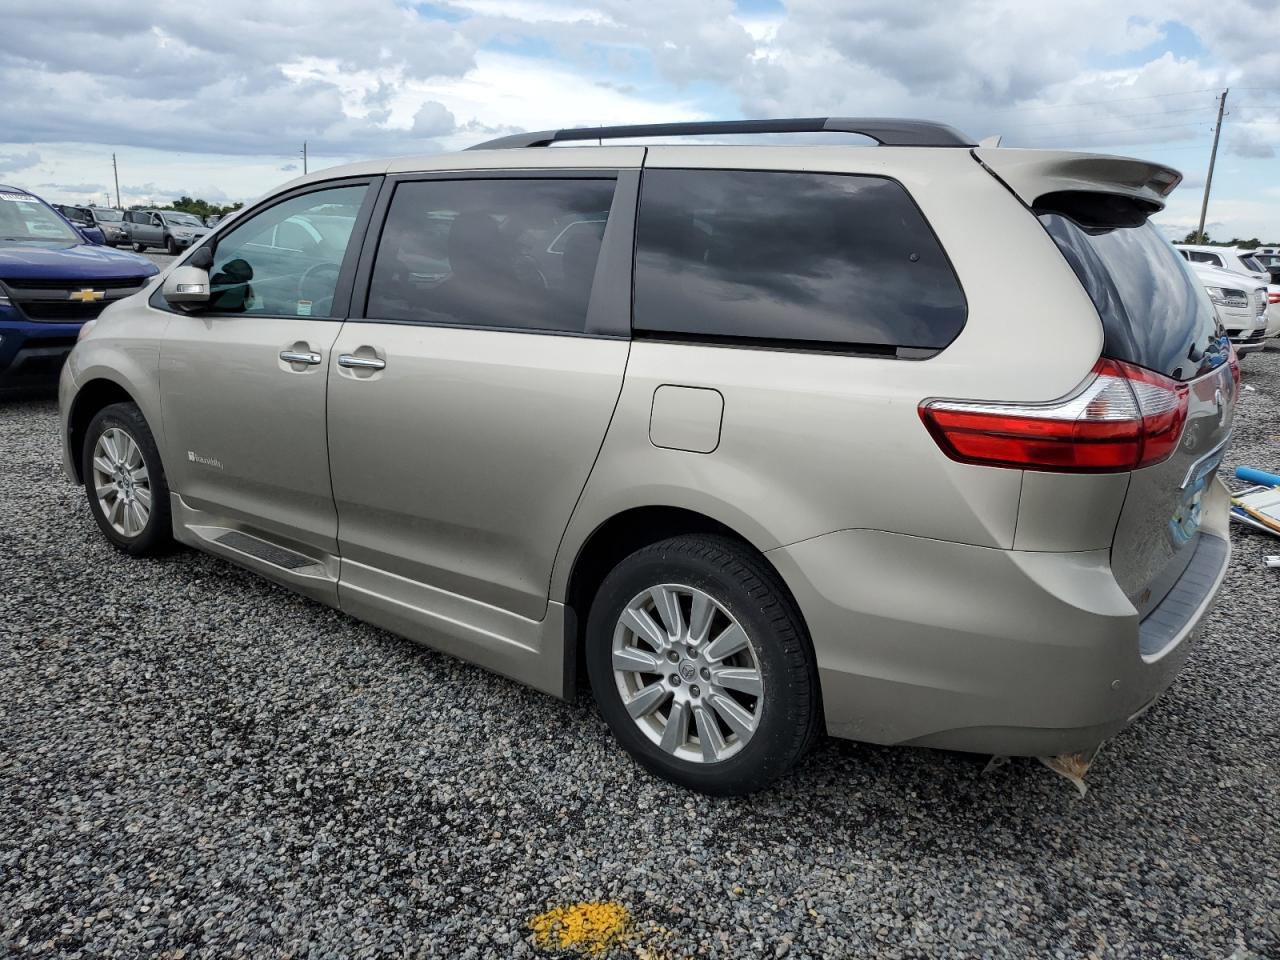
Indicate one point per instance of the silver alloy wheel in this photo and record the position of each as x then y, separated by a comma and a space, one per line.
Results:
121, 482
688, 673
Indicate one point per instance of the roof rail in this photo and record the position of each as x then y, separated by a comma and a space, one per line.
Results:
886, 131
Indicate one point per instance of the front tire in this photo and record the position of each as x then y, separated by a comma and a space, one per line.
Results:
172, 248
139, 247
702, 666
125, 482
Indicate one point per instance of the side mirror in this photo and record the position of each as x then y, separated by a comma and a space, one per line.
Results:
93, 235
186, 286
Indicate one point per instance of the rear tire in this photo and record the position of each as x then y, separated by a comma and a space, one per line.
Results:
125, 482
728, 700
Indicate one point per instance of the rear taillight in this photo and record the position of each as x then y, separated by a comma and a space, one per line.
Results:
1125, 417
1273, 296
1235, 369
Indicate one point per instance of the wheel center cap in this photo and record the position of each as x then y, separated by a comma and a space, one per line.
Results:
688, 670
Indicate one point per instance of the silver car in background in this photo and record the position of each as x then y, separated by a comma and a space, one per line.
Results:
766, 440
1240, 303
171, 230
107, 219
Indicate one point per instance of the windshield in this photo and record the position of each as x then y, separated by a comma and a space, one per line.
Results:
107, 215
23, 217
186, 219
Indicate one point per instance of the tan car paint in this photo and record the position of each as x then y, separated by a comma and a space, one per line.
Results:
466, 532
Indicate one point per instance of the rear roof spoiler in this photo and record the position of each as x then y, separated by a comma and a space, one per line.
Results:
886, 131
1033, 173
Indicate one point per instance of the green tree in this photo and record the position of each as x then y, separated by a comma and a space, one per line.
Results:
192, 205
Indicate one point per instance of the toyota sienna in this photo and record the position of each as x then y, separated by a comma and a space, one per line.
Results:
768, 440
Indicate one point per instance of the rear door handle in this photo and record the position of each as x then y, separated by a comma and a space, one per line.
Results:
360, 363
294, 356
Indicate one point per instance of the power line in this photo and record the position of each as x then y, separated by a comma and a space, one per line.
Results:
1123, 116
1129, 146
1096, 103
1123, 132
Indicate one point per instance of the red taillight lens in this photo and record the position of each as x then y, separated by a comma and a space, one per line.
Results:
1122, 419
1273, 296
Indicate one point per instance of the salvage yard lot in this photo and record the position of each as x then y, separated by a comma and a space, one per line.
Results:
196, 763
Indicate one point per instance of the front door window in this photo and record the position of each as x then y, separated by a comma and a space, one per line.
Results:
286, 261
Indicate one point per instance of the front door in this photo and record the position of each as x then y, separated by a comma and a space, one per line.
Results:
243, 382
467, 408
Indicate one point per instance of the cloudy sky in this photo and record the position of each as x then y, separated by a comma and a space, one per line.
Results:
215, 99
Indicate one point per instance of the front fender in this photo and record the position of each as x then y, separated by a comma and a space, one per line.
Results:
123, 349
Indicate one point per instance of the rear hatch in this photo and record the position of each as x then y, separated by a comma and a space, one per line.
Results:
1155, 315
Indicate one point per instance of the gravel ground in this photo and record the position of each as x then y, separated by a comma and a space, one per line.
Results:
161, 260
194, 763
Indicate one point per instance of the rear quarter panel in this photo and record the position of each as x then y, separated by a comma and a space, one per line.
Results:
813, 443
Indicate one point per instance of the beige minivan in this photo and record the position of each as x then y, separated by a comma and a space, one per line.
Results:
768, 440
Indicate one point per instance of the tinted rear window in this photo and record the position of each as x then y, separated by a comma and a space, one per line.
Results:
1154, 312
818, 260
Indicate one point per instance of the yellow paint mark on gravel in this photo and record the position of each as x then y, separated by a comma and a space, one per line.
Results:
591, 929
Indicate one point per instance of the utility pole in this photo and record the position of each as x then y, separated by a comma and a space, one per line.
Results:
304, 158
1213, 157
116, 170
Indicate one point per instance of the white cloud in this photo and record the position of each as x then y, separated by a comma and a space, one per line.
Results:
208, 78
193, 98
433, 119
12, 162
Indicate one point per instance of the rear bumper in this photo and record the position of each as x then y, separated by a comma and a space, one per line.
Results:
31, 354
948, 645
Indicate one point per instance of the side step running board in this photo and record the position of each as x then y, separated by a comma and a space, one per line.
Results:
270, 553
312, 575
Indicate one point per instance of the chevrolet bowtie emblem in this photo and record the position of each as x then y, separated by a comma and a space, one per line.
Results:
86, 295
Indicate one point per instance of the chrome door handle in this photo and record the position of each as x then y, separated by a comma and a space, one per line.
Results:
291, 356
360, 363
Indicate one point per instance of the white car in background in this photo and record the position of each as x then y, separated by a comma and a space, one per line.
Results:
1243, 263
1240, 303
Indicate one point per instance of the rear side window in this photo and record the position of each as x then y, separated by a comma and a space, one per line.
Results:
813, 260
491, 253
1199, 256
1154, 312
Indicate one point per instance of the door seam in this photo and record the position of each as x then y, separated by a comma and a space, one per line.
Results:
328, 462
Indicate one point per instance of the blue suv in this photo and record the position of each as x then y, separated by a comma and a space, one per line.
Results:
52, 280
